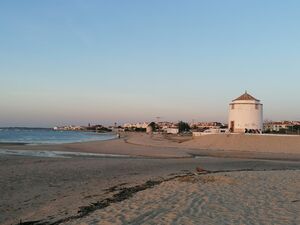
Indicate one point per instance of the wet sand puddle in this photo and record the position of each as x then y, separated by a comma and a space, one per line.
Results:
58, 154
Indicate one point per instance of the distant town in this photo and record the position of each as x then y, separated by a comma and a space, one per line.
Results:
195, 128
245, 116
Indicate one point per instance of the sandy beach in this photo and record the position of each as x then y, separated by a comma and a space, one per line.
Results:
173, 146
157, 184
149, 112
220, 144
269, 197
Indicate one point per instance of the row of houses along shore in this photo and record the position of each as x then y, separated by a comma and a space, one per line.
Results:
280, 127
245, 115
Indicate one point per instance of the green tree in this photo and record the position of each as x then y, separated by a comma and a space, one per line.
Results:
183, 126
153, 126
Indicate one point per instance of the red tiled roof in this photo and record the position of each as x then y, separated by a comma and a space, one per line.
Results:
246, 96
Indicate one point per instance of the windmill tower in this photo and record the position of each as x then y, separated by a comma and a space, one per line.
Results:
245, 114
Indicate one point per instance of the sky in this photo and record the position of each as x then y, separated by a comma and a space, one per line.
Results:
100, 62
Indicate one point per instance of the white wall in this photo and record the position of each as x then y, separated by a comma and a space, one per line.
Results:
172, 130
245, 115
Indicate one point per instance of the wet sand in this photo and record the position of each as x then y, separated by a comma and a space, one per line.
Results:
172, 146
53, 190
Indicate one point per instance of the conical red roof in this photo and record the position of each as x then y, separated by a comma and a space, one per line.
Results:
246, 96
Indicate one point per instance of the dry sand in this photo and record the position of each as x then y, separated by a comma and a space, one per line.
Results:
173, 146
270, 197
242, 142
234, 143
50, 189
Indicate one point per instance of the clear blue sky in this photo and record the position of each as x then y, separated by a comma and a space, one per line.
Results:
104, 61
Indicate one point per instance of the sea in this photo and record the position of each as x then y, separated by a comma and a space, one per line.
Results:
49, 136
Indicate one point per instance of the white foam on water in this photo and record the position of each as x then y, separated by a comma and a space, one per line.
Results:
57, 154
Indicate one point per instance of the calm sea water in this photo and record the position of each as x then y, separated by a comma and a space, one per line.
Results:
49, 136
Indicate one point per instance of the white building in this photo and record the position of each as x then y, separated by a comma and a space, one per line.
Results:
210, 131
172, 130
136, 125
277, 126
245, 115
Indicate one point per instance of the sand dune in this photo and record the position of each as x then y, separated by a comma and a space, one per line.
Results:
223, 142
241, 142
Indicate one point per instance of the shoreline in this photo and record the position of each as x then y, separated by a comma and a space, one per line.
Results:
168, 146
53, 189
71, 154
53, 138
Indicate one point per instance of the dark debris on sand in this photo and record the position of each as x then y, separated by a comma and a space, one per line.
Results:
122, 194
